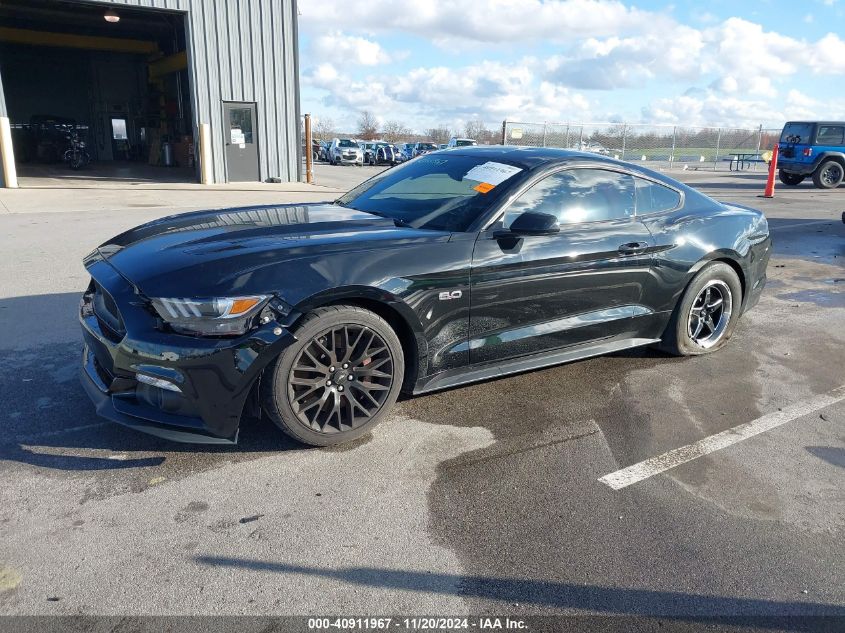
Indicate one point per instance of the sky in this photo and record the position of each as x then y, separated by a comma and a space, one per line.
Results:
427, 63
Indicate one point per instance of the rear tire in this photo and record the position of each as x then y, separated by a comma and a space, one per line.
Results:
338, 380
790, 179
829, 175
707, 314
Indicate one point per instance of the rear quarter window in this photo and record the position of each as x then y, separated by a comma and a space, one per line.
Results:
653, 197
830, 135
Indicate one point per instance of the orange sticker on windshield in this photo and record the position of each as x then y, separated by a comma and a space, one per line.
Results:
484, 187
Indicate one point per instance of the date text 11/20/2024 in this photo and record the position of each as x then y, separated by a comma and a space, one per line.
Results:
417, 624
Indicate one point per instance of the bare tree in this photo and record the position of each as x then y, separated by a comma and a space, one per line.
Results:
367, 125
324, 128
439, 134
476, 129
394, 131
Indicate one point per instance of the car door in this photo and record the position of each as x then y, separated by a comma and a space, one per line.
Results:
583, 283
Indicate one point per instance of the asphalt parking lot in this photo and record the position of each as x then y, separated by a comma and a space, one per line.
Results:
485, 499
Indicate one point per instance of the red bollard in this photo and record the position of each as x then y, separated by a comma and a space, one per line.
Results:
773, 167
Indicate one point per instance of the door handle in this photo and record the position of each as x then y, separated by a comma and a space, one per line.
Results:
633, 248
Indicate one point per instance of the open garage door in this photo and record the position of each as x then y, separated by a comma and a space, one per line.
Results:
96, 93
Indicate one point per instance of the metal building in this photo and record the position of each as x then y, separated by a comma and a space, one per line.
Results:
207, 90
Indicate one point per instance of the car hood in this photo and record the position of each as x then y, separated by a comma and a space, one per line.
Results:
249, 250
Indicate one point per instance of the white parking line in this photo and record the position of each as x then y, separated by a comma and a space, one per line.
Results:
792, 226
656, 465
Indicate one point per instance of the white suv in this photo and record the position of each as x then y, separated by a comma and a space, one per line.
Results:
345, 151
461, 142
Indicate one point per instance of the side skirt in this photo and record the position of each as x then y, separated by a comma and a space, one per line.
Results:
476, 373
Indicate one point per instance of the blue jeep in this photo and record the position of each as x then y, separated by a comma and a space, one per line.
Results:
812, 148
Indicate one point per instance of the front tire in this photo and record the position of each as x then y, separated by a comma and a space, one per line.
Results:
706, 316
790, 179
338, 380
829, 175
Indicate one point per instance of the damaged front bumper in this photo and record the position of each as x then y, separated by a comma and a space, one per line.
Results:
182, 388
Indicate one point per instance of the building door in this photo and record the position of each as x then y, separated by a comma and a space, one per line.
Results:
239, 126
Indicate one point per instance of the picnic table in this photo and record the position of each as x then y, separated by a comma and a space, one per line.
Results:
743, 160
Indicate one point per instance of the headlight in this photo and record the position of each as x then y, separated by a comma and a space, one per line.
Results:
210, 317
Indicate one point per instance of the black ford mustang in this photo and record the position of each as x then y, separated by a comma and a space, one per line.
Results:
460, 265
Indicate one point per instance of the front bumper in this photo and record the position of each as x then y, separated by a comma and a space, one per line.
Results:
214, 375
350, 160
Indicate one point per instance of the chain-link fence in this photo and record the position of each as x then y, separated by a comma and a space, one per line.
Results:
655, 145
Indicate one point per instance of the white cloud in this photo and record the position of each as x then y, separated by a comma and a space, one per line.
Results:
629, 62
734, 71
483, 20
712, 108
490, 91
348, 49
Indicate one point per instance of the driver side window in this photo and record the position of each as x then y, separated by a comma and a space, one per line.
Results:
574, 196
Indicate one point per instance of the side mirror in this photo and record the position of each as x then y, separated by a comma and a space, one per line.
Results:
534, 223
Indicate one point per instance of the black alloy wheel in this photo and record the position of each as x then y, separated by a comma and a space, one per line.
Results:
829, 175
710, 314
706, 315
338, 380
341, 378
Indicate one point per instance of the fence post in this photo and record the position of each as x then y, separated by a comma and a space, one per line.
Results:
759, 142
624, 138
718, 143
504, 134
672, 153
544, 133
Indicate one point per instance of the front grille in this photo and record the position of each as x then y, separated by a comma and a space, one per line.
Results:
108, 316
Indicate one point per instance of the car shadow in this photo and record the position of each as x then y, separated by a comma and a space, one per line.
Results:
830, 454
47, 416
675, 605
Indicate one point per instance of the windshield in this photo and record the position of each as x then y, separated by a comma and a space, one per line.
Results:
446, 193
427, 146
796, 133
464, 143
347, 143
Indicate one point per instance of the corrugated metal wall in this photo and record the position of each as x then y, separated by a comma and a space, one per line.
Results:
243, 50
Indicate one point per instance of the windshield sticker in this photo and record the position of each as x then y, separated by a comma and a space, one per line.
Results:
492, 173
484, 187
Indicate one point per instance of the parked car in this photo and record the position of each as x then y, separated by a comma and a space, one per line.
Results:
345, 151
462, 142
595, 148
442, 146
324, 151
399, 154
325, 312
815, 149
315, 149
424, 148
379, 153
408, 150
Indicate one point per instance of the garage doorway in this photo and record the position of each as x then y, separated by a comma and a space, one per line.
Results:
120, 86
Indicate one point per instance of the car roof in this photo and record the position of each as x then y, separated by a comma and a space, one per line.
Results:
528, 157
815, 123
